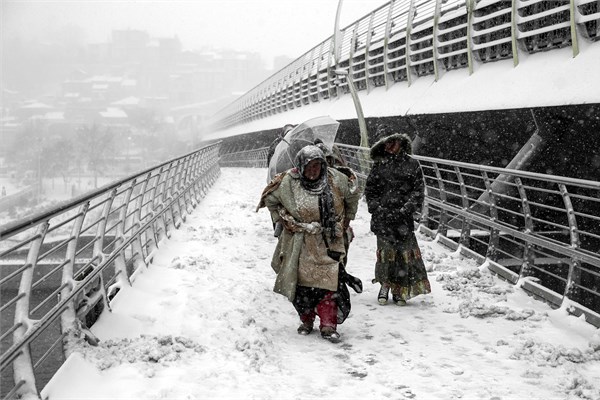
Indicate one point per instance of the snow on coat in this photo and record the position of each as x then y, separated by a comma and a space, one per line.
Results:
301, 253
394, 189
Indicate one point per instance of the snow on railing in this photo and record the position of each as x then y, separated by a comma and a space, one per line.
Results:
539, 231
405, 39
63, 266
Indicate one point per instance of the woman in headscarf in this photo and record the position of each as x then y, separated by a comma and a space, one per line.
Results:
394, 191
315, 204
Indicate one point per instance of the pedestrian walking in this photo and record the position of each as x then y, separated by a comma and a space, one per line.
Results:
394, 191
315, 205
271, 150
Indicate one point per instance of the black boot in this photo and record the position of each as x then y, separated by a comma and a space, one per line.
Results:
382, 297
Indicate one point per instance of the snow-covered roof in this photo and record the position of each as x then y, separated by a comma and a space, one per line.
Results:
106, 78
128, 101
112, 112
36, 105
55, 115
129, 82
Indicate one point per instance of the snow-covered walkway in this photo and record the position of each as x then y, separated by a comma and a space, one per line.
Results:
203, 323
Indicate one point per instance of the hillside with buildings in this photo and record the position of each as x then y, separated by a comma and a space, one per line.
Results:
72, 111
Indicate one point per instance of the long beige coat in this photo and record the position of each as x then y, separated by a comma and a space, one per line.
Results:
301, 254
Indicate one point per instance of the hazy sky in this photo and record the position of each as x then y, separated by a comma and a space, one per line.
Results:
270, 27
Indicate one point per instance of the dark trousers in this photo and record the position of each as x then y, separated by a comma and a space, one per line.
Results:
310, 302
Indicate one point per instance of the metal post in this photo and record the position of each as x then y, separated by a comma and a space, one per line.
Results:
409, 21
388, 29
364, 135
337, 42
434, 44
574, 42
513, 33
574, 275
470, 8
67, 318
23, 372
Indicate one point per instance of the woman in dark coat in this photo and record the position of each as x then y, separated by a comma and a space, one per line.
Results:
394, 191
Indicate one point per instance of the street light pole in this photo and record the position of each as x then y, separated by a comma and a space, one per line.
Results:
362, 125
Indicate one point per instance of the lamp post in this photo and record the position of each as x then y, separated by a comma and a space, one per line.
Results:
364, 136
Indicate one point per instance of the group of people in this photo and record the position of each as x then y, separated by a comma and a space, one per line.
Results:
314, 204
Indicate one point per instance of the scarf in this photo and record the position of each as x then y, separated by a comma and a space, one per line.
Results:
319, 186
327, 211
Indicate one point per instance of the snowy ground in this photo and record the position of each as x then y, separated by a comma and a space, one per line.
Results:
203, 323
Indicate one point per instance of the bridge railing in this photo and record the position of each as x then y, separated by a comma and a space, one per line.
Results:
405, 39
256, 158
61, 267
539, 231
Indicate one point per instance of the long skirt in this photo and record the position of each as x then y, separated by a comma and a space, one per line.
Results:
400, 266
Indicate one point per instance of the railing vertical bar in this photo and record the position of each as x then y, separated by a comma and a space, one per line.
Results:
528, 257
434, 44
465, 232
121, 260
98, 251
494, 241
469, 38
68, 317
386, 41
574, 275
367, 47
514, 32
573, 23
443, 222
409, 22
22, 365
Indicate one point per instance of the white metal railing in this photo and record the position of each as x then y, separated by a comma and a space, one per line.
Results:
60, 268
256, 158
540, 231
405, 39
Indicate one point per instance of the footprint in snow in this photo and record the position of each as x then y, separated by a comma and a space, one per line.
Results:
454, 370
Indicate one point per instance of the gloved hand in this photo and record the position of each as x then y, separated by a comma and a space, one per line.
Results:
313, 228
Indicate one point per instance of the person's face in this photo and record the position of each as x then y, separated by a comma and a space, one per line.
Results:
392, 147
312, 170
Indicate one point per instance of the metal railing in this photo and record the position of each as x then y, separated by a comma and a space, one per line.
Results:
539, 231
60, 268
256, 158
406, 39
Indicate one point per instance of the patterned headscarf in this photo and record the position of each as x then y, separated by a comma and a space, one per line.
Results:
306, 155
319, 186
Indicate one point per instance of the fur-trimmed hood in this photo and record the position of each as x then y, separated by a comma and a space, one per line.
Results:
378, 153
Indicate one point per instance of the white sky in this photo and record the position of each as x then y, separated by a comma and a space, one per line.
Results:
474, 337
269, 27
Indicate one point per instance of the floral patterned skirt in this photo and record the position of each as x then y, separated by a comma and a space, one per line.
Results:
399, 265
